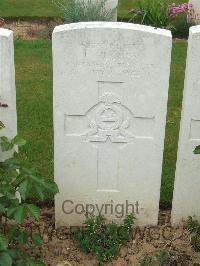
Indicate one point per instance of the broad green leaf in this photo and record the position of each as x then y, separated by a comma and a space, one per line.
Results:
37, 179
11, 210
39, 192
5, 259
46, 184
6, 145
24, 189
23, 237
50, 186
37, 240
13, 232
197, 150
8, 191
33, 211
19, 141
12, 162
20, 213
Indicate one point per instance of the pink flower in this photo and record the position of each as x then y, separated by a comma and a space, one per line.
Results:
178, 9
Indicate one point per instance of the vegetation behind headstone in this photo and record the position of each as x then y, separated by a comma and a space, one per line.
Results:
84, 10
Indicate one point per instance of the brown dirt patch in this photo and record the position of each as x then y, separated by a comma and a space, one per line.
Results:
60, 250
31, 30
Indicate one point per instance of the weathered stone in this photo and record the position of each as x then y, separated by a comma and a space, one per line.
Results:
196, 9
187, 183
8, 113
110, 102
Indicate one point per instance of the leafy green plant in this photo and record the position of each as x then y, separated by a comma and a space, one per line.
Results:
194, 228
162, 257
154, 13
84, 10
197, 150
147, 261
161, 14
181, 25
19, 181
103, 239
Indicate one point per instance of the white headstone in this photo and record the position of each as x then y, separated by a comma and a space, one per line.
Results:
187, 183
8, 113
196, 9
110, 103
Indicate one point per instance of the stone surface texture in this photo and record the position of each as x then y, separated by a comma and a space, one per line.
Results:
110, 102
187, 183
196, 7
8, 113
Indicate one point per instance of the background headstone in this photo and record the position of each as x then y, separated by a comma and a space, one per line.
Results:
7, 88
110, 5
196, 8
186, 197
110, 103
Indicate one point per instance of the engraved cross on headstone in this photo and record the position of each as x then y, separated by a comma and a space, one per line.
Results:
109, 126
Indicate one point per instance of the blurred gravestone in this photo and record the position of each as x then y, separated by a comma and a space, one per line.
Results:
187, 183
196, 8
110, 6
7, 88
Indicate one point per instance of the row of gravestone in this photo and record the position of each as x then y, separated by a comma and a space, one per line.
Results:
110, 92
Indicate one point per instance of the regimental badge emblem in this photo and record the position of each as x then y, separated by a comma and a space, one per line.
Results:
109, 119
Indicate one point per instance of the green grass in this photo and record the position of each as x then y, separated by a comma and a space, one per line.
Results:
28, 8
34, 102
45, 8
126, 5
173, 118
34, 105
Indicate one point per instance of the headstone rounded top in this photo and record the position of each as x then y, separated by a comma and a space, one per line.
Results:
5, 32
114, 25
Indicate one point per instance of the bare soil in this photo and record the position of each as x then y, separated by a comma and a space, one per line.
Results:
59, 248
31, 30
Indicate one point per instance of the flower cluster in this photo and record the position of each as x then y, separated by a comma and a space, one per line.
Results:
182, 8
185, 8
